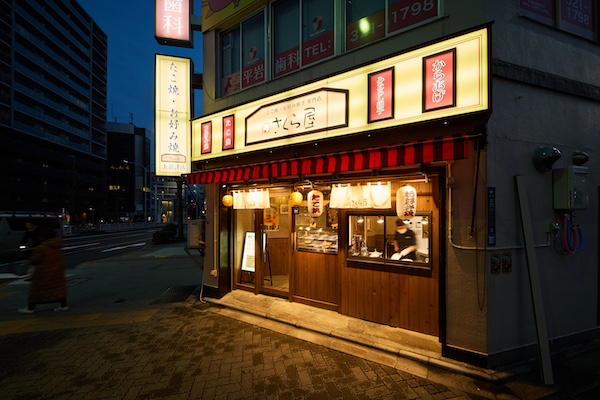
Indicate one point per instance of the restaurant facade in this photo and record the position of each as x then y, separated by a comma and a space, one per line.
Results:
318, 146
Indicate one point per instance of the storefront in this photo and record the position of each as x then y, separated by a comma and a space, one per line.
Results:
334, 194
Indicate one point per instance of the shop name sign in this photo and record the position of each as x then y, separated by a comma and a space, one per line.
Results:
172, 115
438, 81
307, 113
172, 24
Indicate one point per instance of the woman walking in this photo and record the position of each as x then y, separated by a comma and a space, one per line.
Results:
48, 278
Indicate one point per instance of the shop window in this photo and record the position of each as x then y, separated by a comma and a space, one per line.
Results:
316, 224
286, 38
387, 239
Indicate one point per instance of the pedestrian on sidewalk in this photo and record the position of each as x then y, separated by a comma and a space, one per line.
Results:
48, 278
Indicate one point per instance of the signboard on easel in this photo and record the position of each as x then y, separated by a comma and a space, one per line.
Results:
248, 256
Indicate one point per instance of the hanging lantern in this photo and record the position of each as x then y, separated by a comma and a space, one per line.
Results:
406, 202
315, 203
227, 200
295, 198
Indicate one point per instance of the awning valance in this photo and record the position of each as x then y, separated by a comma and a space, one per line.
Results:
426, 151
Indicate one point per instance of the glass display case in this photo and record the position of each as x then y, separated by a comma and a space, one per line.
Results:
316, 234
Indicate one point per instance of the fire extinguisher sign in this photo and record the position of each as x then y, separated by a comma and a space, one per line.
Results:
491, 216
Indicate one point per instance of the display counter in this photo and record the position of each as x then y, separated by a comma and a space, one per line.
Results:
319, 240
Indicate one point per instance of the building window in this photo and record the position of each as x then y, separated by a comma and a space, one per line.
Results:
317, 31
253, 50
230, 62
286, 43
578, 17
365, 22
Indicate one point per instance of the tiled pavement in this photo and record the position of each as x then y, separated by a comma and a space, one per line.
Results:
185, 353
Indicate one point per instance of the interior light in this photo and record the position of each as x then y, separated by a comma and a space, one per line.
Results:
380, 219
360, 219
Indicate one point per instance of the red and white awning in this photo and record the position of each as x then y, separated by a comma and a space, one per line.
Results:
445, 148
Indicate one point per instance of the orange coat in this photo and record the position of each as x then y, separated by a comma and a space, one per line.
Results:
48, 278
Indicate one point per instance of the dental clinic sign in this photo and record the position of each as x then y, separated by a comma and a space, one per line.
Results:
172, 24
172, 115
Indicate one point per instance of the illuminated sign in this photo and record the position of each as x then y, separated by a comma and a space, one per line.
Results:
308, 113
206, 137
438, 81
228, 128
404, 89
172, 24
381, 95
172, 115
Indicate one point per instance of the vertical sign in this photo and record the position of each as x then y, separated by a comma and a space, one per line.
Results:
381, 95
228, 132
206, 139
439, 76
172, 115
491, 216
172, 25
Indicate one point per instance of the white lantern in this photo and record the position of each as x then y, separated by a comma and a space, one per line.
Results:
315, 203
406, 202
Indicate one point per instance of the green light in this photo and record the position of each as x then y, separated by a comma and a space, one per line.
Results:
364, 26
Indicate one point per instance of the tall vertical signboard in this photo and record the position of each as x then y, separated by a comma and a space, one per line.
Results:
172, 115
172, 24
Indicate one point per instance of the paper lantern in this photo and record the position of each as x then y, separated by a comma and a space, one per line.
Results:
295, 198
227, 200
315, 203
406, 201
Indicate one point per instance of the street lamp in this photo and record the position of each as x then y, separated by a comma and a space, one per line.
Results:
146, 172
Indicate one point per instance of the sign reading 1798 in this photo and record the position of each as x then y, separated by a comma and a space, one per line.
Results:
577, 16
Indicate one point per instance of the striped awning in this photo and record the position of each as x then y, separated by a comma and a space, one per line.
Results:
445, 148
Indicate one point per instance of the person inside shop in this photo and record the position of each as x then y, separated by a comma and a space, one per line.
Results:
405, 242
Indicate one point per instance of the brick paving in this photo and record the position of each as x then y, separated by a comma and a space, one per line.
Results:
185, 353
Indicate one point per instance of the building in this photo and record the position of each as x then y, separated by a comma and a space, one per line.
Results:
52, 109
466, 119
129, 173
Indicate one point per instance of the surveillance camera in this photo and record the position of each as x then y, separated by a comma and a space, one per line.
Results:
544, 157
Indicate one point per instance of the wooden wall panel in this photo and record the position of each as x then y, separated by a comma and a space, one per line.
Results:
279, 255
316, 277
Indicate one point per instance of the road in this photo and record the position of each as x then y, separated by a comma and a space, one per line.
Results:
79, 249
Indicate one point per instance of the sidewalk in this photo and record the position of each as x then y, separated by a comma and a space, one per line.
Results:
576, 370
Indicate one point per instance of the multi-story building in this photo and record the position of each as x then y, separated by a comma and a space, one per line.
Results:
471, 121
52, 109
129, 172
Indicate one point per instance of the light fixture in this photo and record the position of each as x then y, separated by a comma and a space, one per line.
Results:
544, 157
360, 219
227, 200
295, 198
380, 219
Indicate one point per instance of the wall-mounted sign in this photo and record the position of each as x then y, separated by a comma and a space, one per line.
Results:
539, 10
381, 95
342, 105
216, 11
172, 115
172, 24
578, 17
228, 128
439, 75
307, 113
206, 137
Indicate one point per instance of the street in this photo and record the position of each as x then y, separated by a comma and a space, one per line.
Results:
136, 331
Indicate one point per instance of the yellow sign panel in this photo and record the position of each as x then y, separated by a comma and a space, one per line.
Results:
460, 65
172, 115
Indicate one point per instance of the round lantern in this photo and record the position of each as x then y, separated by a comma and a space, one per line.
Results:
227, 200
295, 198
406, 202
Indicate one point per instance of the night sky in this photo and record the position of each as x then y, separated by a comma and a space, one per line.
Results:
129, 25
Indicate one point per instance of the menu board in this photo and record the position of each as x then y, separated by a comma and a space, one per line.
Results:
248, 256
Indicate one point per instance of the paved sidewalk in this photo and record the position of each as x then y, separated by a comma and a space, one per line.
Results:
181, 352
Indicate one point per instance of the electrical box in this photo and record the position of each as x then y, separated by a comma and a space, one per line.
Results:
570, 188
